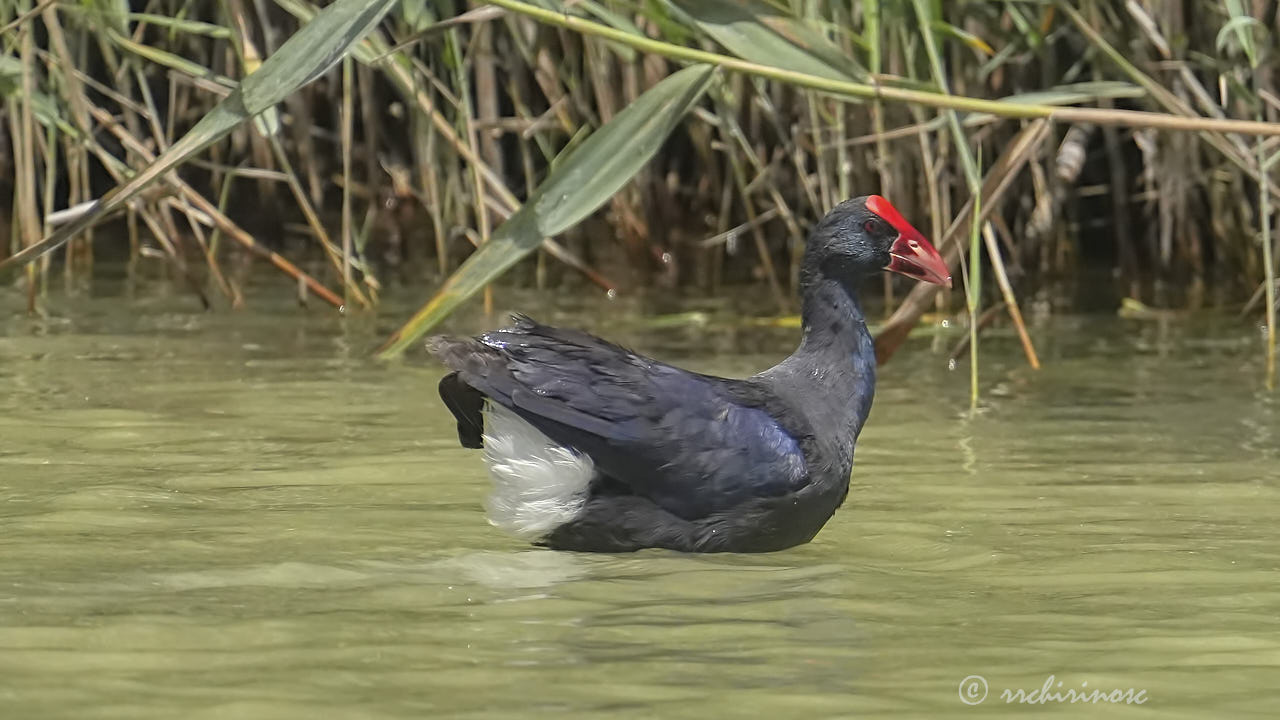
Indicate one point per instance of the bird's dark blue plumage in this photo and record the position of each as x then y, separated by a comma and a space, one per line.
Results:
694, 445
683, 460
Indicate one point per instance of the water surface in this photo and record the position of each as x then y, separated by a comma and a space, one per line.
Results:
209, 515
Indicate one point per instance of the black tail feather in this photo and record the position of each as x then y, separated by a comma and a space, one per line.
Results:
466, 403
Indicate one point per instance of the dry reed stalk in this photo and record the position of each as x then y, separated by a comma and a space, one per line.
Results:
22, 132
222, 221
467, 115
348, 122
335, 255
26, 15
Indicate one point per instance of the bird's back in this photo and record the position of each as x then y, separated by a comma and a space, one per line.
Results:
694, 445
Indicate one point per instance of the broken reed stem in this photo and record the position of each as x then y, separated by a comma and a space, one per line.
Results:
1006, 291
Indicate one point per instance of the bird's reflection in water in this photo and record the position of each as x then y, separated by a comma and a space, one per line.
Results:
520, 569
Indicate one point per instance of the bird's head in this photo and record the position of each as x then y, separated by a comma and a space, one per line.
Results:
866, 235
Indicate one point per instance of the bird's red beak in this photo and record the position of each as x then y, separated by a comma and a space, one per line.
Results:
911, 254
915, 257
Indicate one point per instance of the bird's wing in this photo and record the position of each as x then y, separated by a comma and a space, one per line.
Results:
691, 443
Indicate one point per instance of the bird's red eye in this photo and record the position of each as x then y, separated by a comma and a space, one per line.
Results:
873, 226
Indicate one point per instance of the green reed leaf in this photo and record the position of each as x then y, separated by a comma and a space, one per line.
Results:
760, 33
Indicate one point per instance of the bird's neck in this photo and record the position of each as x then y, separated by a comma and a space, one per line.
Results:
834, 369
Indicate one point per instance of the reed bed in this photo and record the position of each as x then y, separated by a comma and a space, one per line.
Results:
444, 144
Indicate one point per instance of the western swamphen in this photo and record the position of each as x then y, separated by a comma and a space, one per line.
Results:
593, 447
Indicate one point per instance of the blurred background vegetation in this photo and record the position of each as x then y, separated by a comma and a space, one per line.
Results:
393, 165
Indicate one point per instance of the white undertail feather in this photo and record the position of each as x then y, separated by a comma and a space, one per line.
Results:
537, 484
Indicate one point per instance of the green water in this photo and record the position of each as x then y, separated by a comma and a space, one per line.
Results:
236, 515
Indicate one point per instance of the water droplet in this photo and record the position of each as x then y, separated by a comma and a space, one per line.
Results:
611, 294
946, 323
951, 364
666, 258
342, 309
